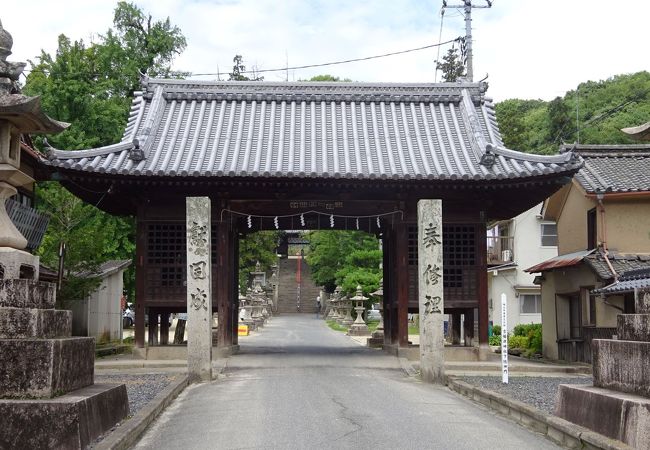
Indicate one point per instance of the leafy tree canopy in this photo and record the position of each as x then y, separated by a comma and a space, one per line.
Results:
90, 86
239, 69
253, 248
598, 109
451, 66
345, 258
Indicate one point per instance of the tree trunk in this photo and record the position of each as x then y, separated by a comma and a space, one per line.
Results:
180, 331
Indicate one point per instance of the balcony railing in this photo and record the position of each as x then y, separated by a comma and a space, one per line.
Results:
500, 250
28, 221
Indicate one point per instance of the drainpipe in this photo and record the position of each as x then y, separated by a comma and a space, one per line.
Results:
599, 197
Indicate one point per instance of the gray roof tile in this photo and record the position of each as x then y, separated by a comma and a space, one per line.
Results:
614, 168
621, 263
341, 130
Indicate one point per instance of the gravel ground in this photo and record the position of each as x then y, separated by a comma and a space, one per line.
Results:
535, 391
141, 388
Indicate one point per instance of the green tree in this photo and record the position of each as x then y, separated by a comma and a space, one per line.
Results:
90, 87
253, 248
327, 77
598, 109
239, 69
451, 66
344, 258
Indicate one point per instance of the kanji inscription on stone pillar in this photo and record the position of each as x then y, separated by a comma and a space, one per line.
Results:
199, 289
430, 283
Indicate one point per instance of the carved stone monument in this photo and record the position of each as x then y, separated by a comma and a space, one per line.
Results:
618, 404
431, 291
47, 395
199, 289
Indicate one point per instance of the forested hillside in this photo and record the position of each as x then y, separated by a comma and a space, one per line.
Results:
594, 113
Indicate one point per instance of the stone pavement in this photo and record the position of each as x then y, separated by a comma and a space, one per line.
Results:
298, 384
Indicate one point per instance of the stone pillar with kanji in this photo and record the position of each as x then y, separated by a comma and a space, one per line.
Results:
199, 289
431, 304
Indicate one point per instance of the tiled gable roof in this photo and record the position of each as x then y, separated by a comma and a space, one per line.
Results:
302, 130
613, 168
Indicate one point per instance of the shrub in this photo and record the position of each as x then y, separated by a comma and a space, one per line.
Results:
533, 332
496, 330
518, 342
495, 340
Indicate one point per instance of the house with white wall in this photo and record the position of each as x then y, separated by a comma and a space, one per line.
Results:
515, 245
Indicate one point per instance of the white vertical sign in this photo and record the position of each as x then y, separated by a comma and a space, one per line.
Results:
504, 338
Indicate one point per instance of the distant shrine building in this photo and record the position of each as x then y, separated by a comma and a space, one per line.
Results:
360, 155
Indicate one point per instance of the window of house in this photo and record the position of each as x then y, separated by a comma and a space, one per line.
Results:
530, 304
592, 310
549, 234
592, 234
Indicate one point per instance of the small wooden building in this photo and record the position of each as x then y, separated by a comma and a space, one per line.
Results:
342, 155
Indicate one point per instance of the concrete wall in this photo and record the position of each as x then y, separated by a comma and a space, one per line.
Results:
628, 226
528, 251
572, 223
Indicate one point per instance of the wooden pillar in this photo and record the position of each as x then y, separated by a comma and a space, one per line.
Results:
389, 270
153, 326
454, 326
481, 255
223, 291
140, 299
234, 286
402, 282
468, 327
164, 328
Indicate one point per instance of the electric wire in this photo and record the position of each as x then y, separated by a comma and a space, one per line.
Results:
308, 66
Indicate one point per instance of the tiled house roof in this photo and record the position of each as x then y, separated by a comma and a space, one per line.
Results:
613, 168
628, 282
307, 129
620, 262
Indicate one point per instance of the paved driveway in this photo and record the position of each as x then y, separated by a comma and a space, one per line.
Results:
299, 385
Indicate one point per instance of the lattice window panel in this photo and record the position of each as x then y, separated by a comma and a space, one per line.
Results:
165, 272
459, 259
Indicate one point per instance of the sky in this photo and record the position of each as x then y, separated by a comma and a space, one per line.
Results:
527, 49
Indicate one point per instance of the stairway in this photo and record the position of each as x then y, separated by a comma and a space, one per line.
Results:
288, 288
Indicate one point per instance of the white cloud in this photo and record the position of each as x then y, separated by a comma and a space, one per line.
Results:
529, 49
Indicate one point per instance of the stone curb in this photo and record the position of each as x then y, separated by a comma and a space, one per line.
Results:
560, 431
127, 434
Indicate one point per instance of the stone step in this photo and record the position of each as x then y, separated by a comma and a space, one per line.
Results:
19, 293
622, 365
69, 421
288, 288
25, 323
44, 368
618, 416
633, 327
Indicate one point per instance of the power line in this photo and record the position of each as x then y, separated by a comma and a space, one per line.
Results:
309, 66
333, 63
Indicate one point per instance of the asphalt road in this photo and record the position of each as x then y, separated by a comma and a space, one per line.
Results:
299, 385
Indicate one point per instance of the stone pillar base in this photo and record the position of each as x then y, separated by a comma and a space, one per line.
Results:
625, 417
71, 421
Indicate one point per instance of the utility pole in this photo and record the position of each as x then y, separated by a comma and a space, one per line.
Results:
467, 6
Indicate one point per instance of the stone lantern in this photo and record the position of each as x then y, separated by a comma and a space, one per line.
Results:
377, 339
334, 302
346, 309
359, 327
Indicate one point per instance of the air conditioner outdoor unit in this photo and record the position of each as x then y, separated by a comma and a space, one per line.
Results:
506, 255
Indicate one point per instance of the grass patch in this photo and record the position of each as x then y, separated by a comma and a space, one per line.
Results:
414, 330
372, 325
336, 327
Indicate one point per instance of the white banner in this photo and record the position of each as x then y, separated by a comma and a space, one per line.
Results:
504, 338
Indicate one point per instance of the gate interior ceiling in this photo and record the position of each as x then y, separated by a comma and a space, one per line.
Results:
354, 150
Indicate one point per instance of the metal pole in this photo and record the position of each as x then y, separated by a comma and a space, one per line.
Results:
468, 39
